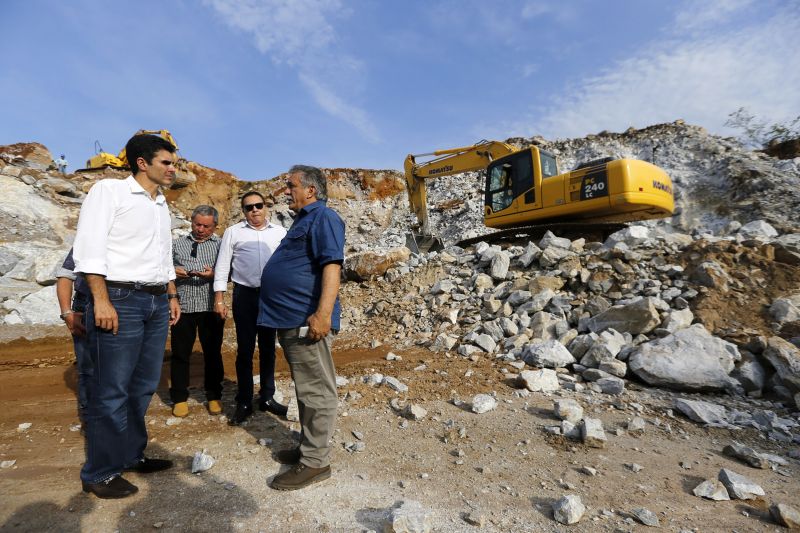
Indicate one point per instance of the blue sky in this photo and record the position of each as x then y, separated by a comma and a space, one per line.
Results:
255, 86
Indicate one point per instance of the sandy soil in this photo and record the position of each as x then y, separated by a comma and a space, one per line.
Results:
502, 467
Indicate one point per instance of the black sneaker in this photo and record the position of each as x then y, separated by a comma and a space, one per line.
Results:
116, 487
273, 407
243, 412
148, 466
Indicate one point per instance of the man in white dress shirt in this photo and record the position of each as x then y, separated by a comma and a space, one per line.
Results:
246, 247
124, 249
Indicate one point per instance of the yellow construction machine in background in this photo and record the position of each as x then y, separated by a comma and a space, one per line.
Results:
103, 159
523, 188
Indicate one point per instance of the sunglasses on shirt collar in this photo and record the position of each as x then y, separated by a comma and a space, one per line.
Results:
250, 207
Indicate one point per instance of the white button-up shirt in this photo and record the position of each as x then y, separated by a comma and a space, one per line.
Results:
124, 234
244, 252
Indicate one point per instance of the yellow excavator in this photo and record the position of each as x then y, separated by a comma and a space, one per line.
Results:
103, 159
524, 190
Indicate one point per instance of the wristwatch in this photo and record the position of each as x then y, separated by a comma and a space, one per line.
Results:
173, 297
65, 314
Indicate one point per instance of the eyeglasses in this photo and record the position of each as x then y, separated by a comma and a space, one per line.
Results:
250, 207
194, 249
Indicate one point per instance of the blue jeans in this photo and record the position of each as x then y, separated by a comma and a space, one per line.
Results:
81, 346
126, 369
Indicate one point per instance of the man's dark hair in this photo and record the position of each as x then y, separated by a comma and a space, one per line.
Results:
146, 147
204, 211
312, 176
252, 193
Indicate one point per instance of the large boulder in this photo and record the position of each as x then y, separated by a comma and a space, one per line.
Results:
690, 359
369, 265
30, 217
41, 307
632, 236
640, 316
547, 354
784, 357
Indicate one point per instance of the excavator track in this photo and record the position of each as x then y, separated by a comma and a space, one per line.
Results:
575, 230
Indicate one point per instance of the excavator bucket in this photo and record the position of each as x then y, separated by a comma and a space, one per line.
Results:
420, 244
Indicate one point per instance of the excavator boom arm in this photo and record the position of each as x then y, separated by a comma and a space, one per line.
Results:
446, 163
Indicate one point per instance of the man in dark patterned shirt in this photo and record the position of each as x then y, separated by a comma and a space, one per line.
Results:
194, 256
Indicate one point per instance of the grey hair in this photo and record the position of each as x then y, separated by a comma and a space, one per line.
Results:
204, 211
312, 176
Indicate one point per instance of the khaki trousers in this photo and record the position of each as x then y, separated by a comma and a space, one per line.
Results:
314, 377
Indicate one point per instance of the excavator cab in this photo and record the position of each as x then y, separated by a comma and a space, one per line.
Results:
525, 188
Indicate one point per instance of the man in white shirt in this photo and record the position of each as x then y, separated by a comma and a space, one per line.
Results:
246, 247
124, 249
61, 164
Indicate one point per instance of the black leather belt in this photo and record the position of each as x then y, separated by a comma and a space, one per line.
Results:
245, 287
156, 290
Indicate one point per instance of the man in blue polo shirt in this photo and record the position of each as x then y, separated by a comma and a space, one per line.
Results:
299, 297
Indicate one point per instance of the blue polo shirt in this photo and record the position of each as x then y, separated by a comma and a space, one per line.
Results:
291, 282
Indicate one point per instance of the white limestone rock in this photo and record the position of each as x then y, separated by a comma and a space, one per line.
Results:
592, 433
202, 462
568, 409
632, 236
569, 509
758, 228
499, 266
785, 309
544, 380
409, 517
640, 316
395, 384
547, 354
483, 403
691, 359
712, 489
783, 356
738, 486
37, 308
703, 412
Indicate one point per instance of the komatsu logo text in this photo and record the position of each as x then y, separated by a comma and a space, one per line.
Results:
440, 170
662, 186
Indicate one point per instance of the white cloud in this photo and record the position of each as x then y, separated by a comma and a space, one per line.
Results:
697, 14
338, 108
700, 80
561, 11
299, 33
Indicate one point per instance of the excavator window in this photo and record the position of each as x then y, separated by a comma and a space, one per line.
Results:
508, 178
549, 167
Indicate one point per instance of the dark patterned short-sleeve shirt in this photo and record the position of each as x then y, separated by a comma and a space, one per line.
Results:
196, 294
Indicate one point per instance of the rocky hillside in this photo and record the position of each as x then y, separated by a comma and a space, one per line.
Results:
726, 264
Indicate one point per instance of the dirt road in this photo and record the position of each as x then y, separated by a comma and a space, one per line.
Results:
497, 467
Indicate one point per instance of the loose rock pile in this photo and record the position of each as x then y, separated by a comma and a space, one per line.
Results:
589, 315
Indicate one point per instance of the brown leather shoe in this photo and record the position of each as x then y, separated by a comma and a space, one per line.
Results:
300, 476
116, 487
288, 457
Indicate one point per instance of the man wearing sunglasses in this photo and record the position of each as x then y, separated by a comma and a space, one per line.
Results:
246, 247
194, 256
